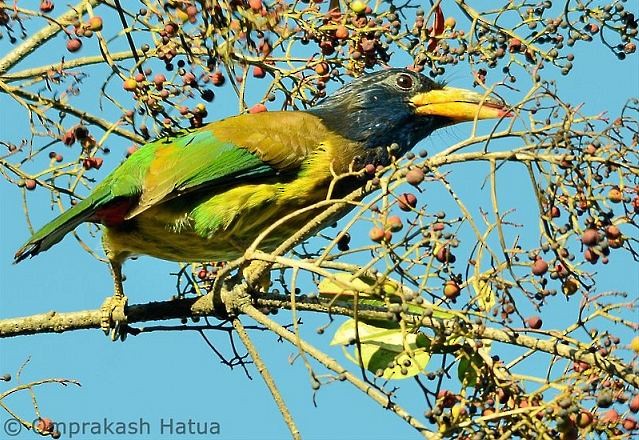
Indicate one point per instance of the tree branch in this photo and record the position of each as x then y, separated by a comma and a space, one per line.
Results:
215, 305
268, 379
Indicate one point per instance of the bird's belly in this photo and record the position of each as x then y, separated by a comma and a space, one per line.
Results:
218, 228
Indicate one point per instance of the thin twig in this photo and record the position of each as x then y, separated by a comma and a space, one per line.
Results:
268, 379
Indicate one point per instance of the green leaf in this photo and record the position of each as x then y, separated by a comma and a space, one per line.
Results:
380, 347
467, 370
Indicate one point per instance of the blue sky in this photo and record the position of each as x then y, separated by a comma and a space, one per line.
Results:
174, 375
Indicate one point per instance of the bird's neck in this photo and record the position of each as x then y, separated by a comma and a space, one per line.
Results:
372, 131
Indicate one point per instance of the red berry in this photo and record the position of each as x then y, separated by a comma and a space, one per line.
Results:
188, 78
591, 256
443, 255
170, 28
30, 184
415, 176
590, 237
132, 149
611, 416
44, 426
191, 11
580, 367
256, 5
629, 424
217, 78
159, 80
259, 72
341, 32
394, 223
438, 226
74, 45
46, 6
376, 234
369, 168
613, 232
634, 404
407, 201
258, 108
534, 322
539, 267
514, 45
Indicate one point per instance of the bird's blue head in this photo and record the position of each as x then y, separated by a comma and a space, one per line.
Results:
400, 106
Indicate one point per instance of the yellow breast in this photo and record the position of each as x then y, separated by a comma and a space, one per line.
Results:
220, 226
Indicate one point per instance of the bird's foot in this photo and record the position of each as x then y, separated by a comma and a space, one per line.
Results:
114, 319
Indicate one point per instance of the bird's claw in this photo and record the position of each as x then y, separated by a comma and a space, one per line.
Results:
114, 319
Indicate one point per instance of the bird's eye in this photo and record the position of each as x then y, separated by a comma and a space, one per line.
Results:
404, 81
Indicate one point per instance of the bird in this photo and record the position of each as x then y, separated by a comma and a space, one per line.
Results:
205, 194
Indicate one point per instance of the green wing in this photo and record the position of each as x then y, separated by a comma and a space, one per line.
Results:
222, 153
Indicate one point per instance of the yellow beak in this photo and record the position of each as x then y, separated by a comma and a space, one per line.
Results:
459, 105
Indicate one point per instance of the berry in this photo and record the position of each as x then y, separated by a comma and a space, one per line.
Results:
415, 176
217, 78
44, 426
569, 287
394, 223
95, 23
341, 32
615, 195
46, 6
443, 255
259, 72
534, 322
451, 289
321, 69
613, 232
358, 6
159, 80
590, 237
30, 184
343, 242
258, 108
74, 45
376, 234
604, 400
591, 256
130, 84
256, 5
539, 267
407, 201
584, 419
629, 424
611, 416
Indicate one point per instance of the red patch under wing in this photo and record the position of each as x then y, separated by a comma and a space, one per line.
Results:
113, 213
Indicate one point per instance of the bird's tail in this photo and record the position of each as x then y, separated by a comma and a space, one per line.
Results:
55, 230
